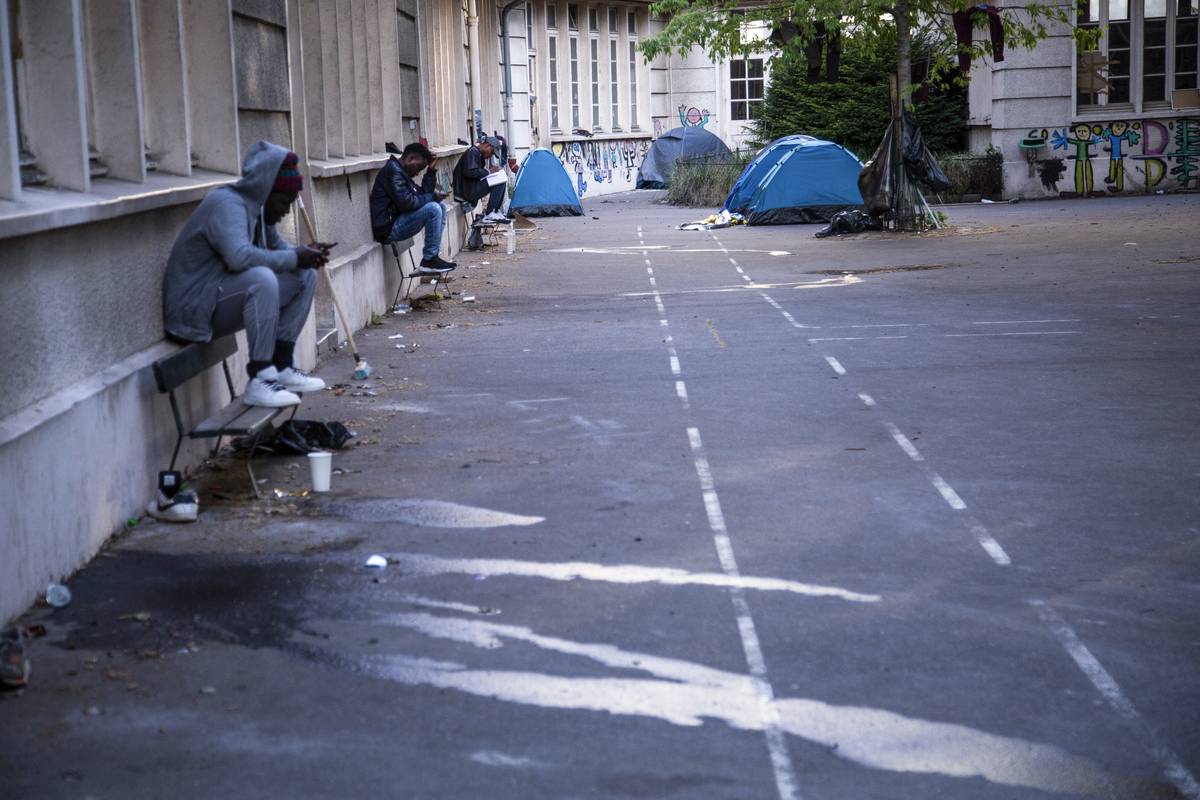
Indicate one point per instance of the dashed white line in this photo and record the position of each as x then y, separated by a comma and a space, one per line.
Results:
990, 545
1111, 691
675, 366
1023, 321
855, 338
905, 444
836, 365
1013, 333
867, 400
947, 492
681, 391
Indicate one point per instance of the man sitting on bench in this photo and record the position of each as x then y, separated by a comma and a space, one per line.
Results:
399, 208
470, 179
231, 269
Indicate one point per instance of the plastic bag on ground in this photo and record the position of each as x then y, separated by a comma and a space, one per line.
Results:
849, 221
298, 437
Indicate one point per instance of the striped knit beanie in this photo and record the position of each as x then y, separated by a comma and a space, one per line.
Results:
289, 179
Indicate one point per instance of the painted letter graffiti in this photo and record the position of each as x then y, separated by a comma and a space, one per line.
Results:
1155, 154
600, 167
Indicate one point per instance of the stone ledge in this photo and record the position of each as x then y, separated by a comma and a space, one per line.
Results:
41, 209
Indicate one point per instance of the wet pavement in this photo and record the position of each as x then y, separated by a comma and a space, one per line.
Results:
728, 514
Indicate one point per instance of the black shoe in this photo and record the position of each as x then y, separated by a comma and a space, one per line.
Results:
435, 265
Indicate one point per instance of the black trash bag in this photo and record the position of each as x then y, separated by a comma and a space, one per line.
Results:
474, 240
849, 221
919, 163
876, 181
298, 437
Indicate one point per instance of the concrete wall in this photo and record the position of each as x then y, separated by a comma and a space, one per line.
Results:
602, 166
83, 430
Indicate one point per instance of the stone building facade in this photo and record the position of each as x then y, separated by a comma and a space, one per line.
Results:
1123, 118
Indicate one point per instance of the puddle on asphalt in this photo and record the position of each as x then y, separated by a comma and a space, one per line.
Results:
424, 513
879, 270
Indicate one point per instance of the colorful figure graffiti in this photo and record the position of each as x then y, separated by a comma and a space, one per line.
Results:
1085, 136
692, 117
1115, 134
1187, 151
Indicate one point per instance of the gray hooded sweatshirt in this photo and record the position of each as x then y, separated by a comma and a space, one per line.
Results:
226, 233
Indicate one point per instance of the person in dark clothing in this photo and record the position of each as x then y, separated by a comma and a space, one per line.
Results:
400, 208
470, 178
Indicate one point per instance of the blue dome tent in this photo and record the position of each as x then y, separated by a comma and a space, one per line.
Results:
543, 187
691, 143
796, 179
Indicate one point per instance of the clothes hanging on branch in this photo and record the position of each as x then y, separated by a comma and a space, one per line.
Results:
964, 27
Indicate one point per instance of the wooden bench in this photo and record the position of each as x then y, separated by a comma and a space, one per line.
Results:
235, 419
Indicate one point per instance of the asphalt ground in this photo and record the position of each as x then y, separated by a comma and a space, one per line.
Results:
685, 514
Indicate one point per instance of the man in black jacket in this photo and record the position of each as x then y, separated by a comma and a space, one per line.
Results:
399, 208
470, 178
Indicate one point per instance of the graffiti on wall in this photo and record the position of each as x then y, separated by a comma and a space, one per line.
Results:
693, 117
1152, 154
599, 167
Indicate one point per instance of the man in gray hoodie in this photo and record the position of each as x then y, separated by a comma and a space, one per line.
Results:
230, 269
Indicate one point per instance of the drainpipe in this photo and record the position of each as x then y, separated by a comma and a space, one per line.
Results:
508, 120
476, 70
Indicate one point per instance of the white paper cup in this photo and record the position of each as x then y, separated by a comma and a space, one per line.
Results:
321, 466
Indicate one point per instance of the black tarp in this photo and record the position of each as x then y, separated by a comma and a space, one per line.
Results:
877, 180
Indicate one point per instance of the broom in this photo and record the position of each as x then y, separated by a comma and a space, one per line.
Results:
361, 368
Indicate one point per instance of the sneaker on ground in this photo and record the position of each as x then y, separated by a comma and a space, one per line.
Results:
266, 390
183, 507
297, 380
436, 264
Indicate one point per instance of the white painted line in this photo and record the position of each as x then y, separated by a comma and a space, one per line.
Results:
627, 574
746, 277
781, 762
647, 262
1014, 333
858, 338
867, 399
990, 545
885, 325
837, 367
1175, 771
663, 323
733, 261
639, 229
675, 366
649, 270
653, 282
1024, 321
658, 303
948, 494
907, 446
681, 390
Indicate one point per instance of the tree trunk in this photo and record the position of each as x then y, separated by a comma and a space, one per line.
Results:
903, 56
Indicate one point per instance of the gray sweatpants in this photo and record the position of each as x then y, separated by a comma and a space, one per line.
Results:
269, 305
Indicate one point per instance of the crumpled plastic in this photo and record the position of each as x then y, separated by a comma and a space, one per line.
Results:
877, 181
849, 221
722, 219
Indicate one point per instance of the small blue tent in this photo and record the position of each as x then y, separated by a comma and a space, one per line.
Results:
796, 179
544, 188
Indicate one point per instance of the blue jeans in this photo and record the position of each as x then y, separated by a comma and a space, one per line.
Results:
430, 217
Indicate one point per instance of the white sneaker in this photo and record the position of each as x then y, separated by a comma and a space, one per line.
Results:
183, 507
496, 217
266, 390
297, 380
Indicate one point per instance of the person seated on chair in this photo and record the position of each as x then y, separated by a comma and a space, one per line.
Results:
399, 208
470, 178
230, 269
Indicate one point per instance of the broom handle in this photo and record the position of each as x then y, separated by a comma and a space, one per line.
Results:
312, 234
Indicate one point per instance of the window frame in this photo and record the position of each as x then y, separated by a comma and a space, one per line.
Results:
1137, 104
745, 79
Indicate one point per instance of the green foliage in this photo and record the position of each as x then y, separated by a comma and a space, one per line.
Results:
854, 111
970, 173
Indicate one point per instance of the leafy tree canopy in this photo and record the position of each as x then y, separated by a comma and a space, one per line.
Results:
720, 27
853, 111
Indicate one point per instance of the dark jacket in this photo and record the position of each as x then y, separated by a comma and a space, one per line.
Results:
394, 193
469, 174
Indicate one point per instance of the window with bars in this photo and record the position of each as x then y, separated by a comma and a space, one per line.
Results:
633, 86
746, 86
594, 52
552, 62
574, 63
1148, 50
614, 91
